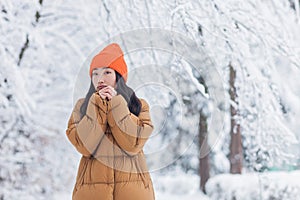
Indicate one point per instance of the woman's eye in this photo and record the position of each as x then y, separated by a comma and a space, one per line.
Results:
107, 72
94, 74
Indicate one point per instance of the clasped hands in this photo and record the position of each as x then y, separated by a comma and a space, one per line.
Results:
107, 92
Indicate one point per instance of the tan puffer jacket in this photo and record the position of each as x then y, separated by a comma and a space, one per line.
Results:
111, 140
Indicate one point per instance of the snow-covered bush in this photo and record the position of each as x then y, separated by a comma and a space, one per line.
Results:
255, 186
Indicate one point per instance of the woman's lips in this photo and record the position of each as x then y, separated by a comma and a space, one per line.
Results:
99, 87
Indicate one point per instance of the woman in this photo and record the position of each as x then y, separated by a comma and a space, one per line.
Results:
109, 127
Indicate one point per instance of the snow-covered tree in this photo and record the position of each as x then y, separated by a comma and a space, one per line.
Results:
253, 36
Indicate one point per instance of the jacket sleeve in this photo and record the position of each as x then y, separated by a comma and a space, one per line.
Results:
130, 131
86, 133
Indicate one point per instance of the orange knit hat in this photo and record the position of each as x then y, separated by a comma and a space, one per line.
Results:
111, 56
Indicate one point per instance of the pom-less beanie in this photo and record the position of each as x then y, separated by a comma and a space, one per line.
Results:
111, 56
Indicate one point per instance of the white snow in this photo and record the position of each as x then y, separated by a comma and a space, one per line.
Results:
268, 185
260, 39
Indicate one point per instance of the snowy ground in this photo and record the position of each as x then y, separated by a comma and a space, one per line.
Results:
177, 186
159, 196
249, 186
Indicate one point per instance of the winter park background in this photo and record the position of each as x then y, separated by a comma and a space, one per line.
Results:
245, 87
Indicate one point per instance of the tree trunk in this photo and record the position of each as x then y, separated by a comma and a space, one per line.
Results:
204, 150
236, 151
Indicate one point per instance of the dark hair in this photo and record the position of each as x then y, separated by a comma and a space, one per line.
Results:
133, 102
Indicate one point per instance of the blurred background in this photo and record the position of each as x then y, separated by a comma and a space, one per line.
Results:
226, 124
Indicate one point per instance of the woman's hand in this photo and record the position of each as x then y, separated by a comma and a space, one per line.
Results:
107, 92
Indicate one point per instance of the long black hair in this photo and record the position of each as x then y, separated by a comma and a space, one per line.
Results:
133, 102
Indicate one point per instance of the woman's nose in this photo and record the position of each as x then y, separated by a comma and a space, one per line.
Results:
101, 80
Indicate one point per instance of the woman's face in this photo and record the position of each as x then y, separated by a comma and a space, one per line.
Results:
102, 77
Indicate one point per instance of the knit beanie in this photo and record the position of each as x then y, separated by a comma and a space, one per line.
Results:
111, 56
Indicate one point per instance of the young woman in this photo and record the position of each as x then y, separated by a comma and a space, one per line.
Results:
109, 127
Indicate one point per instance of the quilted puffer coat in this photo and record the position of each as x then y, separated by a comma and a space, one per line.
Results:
111, 140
